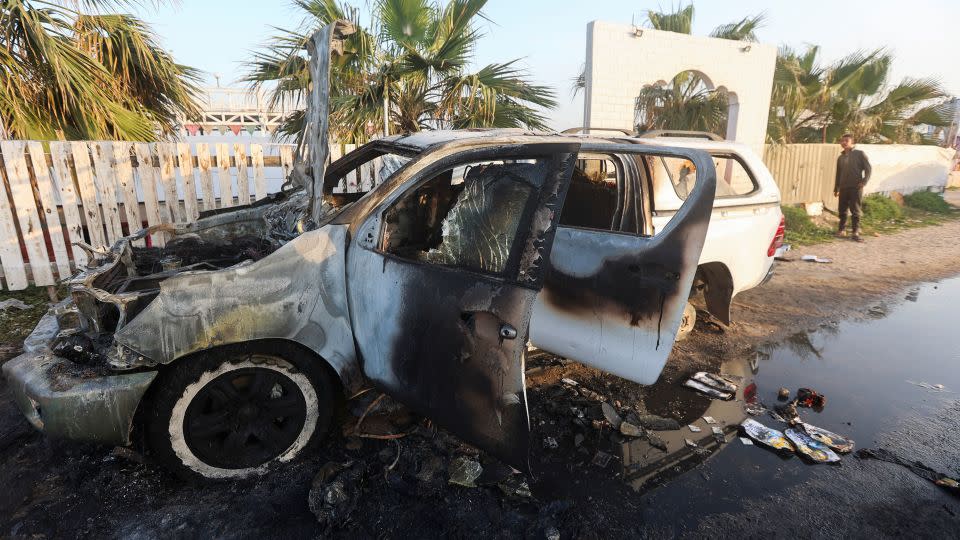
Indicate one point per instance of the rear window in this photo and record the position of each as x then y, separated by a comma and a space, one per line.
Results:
734, 179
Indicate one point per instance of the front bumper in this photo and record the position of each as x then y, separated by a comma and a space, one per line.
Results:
64, 399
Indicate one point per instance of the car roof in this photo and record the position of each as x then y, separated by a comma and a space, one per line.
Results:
422, 140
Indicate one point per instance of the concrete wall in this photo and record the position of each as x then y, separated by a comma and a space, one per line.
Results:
622, 59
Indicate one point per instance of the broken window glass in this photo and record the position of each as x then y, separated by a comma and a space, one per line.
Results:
733, 178
468, 217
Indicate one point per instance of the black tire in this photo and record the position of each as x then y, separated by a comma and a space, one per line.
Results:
226, 414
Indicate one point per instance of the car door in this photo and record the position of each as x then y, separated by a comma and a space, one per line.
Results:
441, 279
614, 300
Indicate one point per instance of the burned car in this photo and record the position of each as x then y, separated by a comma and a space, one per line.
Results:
231, 346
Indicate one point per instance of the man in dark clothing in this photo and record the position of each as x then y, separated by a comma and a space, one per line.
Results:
853, 172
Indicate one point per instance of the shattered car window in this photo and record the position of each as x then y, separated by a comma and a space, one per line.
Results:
468, 217
733, 178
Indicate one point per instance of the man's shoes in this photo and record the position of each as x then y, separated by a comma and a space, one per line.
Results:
856, 236
841, 234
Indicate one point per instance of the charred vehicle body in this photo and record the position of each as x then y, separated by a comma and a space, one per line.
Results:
229, 348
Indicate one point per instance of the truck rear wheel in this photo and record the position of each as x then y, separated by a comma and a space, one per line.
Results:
235, 415
687, 321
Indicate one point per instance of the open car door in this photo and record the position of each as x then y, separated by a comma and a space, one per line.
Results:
614, 300
442, 277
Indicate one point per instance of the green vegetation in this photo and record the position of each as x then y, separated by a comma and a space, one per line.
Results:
801, 230
16, 324
813, 103
929, 201
878, 209
414, 56
73, 74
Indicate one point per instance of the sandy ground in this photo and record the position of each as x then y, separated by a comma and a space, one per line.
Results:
399, 489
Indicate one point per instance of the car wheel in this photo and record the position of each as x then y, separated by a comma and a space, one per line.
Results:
687, 322
233, 417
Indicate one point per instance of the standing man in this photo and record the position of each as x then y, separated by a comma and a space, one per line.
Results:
853, 172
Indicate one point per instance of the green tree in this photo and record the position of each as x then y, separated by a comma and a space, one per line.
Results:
72, 71
410, 64
686, 102
811, 102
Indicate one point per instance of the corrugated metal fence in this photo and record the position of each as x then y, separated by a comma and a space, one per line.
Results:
55, 194
804, 172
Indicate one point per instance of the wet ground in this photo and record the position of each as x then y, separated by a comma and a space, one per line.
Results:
399, 488
871, 373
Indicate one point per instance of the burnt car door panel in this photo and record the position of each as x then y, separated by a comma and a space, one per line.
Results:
442, 279
614, 300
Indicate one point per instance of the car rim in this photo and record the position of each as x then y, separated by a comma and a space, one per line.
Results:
244, 418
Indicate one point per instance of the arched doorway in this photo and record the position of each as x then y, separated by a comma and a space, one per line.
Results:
690, 102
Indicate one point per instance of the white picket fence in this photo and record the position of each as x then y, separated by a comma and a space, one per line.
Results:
60, 193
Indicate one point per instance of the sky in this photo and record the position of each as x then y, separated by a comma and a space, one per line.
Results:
549, 36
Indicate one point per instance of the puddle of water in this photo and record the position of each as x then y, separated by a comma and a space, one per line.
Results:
863, 369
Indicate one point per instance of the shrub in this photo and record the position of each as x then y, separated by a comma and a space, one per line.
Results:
800, 228
927, 200
878, 208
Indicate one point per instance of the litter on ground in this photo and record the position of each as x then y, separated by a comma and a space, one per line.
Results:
709, 420
768, 437
928, 386
715, 386
694, 428
836, 442
807, 397
746, 441
814, 258
811, 448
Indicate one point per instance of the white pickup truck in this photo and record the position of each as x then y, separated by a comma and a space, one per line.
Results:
746, 226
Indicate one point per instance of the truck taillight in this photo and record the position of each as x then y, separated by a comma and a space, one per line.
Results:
777, 238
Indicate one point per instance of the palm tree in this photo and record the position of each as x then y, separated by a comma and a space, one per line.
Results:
69, 74
411, 66
686, 102
815, 103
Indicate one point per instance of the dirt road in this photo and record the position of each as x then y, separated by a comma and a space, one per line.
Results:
400, 488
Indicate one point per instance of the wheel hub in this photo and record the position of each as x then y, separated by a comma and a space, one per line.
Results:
244, 418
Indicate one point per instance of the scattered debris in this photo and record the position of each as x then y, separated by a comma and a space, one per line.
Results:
921, 470
814, 258
329, 497
928, 386
768, 437
656, 442
691, 444
14, 303
811, 448
781, 253
783, 394
630, 430
550, 443
611, 415
754, 408
601, 459
704, 389
569, 382
717, 430
464, 471
578, 440
810, 398
709, 420
746, 441
694, 428
715, 381
835, 442
515, 486
552, 533
657, 423
788, 413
